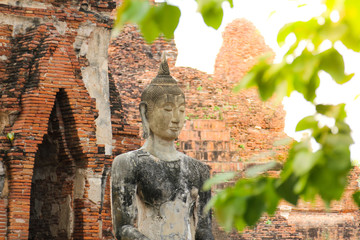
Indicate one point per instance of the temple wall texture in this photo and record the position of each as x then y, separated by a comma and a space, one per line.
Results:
228, 131
55, 105
69, 100
239, 126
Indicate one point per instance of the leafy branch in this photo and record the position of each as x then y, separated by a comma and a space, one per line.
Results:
306, 173
163, 18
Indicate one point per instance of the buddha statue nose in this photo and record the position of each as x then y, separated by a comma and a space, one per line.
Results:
175, 117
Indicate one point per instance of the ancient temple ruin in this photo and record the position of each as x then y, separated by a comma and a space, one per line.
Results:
54, 102
68, 105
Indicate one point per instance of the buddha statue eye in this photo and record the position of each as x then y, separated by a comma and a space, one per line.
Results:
168, 108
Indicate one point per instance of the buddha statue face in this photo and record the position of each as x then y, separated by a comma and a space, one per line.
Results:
167, 116
162, 106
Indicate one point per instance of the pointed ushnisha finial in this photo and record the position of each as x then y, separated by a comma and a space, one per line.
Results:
163, 78
164, 67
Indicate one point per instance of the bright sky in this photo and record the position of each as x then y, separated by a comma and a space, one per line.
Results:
198, 46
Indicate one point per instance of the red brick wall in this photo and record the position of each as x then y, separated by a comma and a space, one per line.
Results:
257, 127
209, 141
253, 125
41, 60
242, 46
5, 51
228, 131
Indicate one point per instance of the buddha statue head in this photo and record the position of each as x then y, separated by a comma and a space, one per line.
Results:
162, 106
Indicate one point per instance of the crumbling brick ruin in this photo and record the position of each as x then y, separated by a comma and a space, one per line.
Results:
223, 129
229, 131
65, 113
54, 100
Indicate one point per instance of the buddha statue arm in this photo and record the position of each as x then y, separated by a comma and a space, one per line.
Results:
124, 207
203, 230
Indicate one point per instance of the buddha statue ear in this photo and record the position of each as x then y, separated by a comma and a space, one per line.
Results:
144, 120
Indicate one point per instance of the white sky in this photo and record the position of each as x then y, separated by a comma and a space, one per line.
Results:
198, 46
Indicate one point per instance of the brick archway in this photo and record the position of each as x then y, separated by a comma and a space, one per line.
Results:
55, 70
57, 180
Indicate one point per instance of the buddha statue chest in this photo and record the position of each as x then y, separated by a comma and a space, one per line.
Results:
167, 195
160, 181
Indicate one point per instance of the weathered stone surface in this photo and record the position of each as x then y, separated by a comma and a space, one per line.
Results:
46, 45
2, 179
54, 98
156, 190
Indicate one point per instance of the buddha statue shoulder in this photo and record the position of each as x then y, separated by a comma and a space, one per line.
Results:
156, 190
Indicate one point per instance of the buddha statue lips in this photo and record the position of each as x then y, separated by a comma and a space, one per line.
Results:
156, 190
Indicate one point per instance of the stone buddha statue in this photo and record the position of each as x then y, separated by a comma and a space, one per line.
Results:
156, 190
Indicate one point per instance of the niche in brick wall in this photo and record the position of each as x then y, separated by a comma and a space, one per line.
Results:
57, 182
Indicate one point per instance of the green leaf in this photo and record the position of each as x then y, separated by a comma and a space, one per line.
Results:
304, 70
225, 216
283, 142
149, 26
211, 11
335, 111
351, 41
302, 31
332, 62
356, 197
231, 3
352, 15
255, 77
301, 184
218, 178
233, 206
314, 83
10, 136
211, 203
247, 81
337, 152
229, 206
309, 192
152, 20
167, 18
338, 140
254, 210
240, 224
347, 78
320, 134
305, 161
343, 128
271, 197
330, 184
330, 4
259, 169
131, 11
283, 33
286, 189
308, 122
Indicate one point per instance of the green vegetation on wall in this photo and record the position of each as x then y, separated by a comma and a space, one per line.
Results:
306, 174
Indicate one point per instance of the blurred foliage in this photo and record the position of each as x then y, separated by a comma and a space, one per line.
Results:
151, 19
10, 136
163, 18
306, 173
